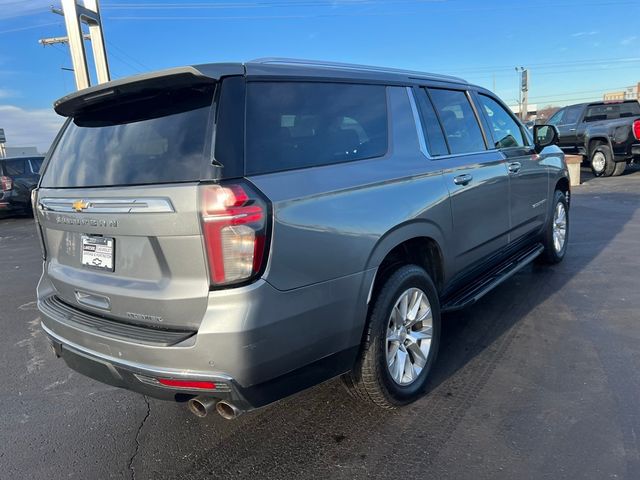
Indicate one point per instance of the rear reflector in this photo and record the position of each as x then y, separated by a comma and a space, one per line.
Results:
194, 384
636, 129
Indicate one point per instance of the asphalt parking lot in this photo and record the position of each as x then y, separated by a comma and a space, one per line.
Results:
538, 380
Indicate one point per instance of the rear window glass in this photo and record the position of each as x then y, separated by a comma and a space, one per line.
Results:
295, 125
14, 167
158, 139
612, 111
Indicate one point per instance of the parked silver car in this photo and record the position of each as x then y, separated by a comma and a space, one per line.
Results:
230, 234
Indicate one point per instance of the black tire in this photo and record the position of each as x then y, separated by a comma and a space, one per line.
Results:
620, 168
599, 167
370, 379
551, 255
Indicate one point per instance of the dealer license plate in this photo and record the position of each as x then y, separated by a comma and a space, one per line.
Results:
97, 252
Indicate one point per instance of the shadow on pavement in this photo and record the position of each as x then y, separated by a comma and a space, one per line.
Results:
324, 433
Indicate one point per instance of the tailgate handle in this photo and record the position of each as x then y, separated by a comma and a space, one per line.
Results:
92, 300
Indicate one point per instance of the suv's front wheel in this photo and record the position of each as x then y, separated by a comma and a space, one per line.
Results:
556, 233
400, 342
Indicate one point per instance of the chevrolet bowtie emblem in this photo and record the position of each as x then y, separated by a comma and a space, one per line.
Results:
79, 205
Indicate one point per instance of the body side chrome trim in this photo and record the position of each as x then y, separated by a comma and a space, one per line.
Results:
107, 205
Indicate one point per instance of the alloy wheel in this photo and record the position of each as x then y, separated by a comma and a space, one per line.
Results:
409, 333
559, 227
598, 162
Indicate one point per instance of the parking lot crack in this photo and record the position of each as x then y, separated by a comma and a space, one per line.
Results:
137, 446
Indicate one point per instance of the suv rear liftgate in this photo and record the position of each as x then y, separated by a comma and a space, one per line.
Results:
133, 172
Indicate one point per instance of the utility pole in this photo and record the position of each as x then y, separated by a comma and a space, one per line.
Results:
54, 40
3, 140
523, 92
76, 13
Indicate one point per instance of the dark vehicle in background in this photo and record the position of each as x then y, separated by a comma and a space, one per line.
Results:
230, 234
606, 134
18, 177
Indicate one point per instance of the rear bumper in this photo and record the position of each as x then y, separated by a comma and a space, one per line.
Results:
255, 341
10, 201
138, 377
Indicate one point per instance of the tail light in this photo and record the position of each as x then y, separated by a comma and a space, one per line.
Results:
7, 183
636, 129
235, 226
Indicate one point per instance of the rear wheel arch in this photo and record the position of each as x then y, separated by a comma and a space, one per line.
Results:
563, 185
411, 245
594, 142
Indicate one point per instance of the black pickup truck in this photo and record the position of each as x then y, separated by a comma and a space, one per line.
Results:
606, 134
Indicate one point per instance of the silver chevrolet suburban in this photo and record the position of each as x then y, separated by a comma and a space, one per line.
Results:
229, 234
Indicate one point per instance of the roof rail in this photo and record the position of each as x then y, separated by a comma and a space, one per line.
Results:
351, 66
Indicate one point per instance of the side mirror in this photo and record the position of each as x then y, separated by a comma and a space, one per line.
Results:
543, 136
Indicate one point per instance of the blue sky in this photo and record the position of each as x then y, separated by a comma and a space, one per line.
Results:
575, 49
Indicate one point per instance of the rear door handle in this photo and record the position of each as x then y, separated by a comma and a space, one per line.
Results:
463, 179
514, 167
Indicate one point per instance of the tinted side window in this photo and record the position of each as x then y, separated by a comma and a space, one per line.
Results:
596, 113
506, 131
295, 124
571, 115
458, 120
556, 118
630, 109
14, 167
436, 143
36, 164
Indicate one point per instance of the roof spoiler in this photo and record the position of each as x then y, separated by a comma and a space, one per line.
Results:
195, 76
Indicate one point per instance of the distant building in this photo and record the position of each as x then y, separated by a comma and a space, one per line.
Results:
615, 96
532, 109
20, 151
631, 93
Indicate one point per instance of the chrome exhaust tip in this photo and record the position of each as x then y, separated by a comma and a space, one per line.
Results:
228, 410
201, 406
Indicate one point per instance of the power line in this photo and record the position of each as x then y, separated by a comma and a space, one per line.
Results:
334, 4
29, 27
601, 90
259, 4
545, 74
592, 98
586, 62
125, 54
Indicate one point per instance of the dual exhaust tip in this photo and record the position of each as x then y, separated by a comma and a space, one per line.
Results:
202, 406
